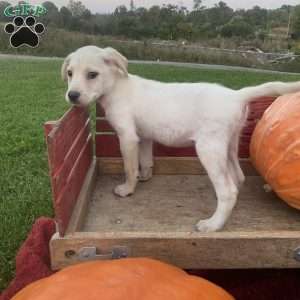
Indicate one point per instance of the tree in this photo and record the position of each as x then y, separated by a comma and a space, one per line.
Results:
218, 15
76, 8
50, 6
121, 11
132, 6
296, 23
198, 5
86, 15
52, 16
66, 17
3, 5
257, 16
237, 27
185, 30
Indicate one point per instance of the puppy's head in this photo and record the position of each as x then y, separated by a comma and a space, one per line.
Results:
92, 72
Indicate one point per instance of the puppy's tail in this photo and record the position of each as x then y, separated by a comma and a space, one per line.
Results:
269, 89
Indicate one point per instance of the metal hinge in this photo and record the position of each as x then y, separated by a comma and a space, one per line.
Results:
92, 253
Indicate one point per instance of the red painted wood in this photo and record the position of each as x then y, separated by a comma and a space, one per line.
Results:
59, 178
99, 111
108, 145
66, 200
256, 110
70, 153
61, 138
160, 150
49, 126
103, 125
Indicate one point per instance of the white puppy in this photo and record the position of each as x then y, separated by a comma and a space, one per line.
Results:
208, 116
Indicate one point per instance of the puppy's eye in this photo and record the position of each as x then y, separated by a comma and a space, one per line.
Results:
70, 73
92, 75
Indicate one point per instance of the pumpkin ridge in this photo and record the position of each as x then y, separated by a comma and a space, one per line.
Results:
275, 164
289, 132
262, 135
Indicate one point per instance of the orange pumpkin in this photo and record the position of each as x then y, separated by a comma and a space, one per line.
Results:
275, 148
132, 279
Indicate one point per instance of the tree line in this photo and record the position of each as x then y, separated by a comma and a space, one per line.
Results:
173, 22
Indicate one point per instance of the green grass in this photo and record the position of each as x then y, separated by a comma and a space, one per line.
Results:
31, 93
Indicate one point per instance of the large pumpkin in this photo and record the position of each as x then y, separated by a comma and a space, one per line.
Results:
125, 279
275, 148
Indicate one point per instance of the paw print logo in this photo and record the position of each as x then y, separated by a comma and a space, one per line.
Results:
24, 32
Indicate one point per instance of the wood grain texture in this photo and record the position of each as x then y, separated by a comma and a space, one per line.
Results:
65, 202
59, 178
170, 203
70, 153
158, 221
188, 250
167, 166
84, 198
107, 145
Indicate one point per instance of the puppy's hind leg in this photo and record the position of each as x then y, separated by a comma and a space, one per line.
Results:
213, 154
233, 160
146, 159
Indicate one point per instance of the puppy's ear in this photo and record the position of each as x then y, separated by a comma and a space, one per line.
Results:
64, 67
113, 57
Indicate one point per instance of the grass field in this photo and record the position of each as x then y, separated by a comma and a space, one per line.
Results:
31, 93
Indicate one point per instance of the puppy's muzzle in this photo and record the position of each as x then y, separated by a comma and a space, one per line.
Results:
74, 97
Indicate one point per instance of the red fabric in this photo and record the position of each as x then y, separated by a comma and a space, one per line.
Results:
33, 258
33, 263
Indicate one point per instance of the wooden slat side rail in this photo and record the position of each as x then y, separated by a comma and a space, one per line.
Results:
167, 166
70, 154
67, 199
223, 250
256, 111
82, 203
61, 138
102, 125
107, 144
60, 176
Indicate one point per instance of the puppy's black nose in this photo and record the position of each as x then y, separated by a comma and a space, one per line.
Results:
74, 96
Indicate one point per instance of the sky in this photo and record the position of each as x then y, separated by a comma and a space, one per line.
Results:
103, 6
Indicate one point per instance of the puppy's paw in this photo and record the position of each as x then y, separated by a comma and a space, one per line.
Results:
145, 174
207, 226
123, 190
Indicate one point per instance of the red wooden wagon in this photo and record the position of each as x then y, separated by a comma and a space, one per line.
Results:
158, 221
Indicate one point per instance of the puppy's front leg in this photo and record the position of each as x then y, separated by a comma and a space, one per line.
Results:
129, 150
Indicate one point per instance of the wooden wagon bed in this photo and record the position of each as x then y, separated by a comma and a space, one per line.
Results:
158, 220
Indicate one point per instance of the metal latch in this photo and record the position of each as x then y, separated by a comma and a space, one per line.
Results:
91, 253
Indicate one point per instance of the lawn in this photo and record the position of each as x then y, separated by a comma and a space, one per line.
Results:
31, 93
